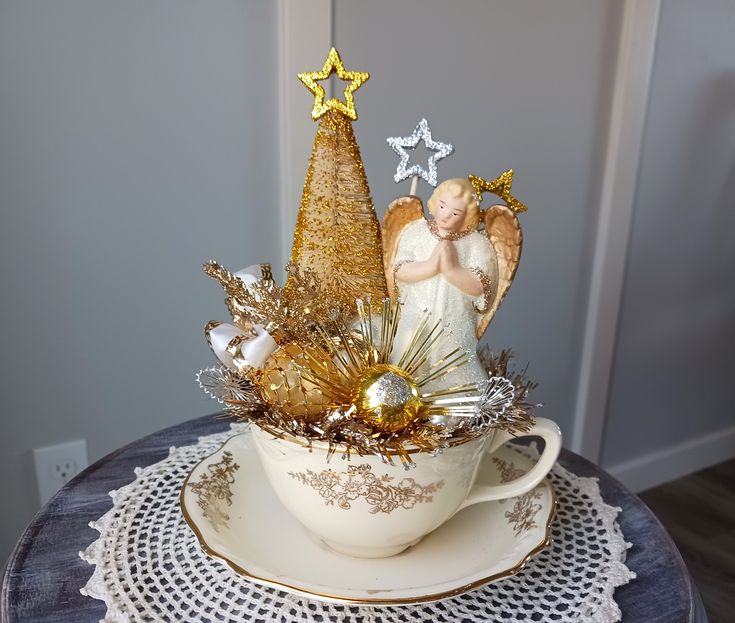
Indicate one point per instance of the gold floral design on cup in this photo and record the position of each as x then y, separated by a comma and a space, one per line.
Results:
388, 510
523, 514
358, 482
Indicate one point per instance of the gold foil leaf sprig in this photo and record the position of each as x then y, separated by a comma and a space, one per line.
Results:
238, 295
287, 314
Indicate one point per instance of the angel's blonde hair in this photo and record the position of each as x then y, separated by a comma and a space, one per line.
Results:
458, 187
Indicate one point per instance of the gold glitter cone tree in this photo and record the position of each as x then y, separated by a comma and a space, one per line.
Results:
337, 233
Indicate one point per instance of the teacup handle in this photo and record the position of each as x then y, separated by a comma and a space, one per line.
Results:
550, 433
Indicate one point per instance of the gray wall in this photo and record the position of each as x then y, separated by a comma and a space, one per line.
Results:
137, 139
675, 354
520, 84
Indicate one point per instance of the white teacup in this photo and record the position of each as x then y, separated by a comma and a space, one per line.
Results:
365, 508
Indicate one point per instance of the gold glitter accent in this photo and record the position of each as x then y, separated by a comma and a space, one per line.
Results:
452, 235
331, 65
396, 288
358, 482
489, 290
500, 186
504, 232
400, 214
337, 234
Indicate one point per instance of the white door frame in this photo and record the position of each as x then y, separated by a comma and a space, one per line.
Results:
304, 39
617, 198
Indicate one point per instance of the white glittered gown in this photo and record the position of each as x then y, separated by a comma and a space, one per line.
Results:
442, 299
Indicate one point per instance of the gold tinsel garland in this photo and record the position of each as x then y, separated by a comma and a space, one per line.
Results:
348, 435
341, 383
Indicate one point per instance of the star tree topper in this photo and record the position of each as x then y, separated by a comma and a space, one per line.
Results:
422, 132
500, 186
331, 65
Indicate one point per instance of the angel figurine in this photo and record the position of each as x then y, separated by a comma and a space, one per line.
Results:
447, 267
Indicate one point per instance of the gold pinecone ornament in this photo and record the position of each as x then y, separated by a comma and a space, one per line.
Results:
283, 388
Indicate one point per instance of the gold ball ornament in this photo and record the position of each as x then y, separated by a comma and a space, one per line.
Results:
386, 398
283, 388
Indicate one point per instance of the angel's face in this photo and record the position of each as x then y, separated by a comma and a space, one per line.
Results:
450, 212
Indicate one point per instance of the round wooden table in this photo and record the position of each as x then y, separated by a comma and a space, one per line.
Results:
42, 578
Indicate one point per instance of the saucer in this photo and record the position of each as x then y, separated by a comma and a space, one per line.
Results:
228, 503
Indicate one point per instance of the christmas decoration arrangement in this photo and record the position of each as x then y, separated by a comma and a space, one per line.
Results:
362, 363
371, 344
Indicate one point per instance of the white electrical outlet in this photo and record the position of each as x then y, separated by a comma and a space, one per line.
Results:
57, 465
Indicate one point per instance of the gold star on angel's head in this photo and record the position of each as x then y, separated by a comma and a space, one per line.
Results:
331, 65
500, 186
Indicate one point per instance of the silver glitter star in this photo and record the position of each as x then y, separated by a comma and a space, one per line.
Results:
422, 132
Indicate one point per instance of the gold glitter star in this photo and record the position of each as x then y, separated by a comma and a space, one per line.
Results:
331, 65
500, 186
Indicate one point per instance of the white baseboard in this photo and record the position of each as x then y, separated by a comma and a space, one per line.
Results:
656, 468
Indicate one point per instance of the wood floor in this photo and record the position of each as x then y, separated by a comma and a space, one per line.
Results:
699, 513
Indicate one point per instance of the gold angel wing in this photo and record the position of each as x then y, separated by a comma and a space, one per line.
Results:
504, 232
400, 213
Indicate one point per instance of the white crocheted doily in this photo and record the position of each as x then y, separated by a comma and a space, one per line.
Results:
149, 566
